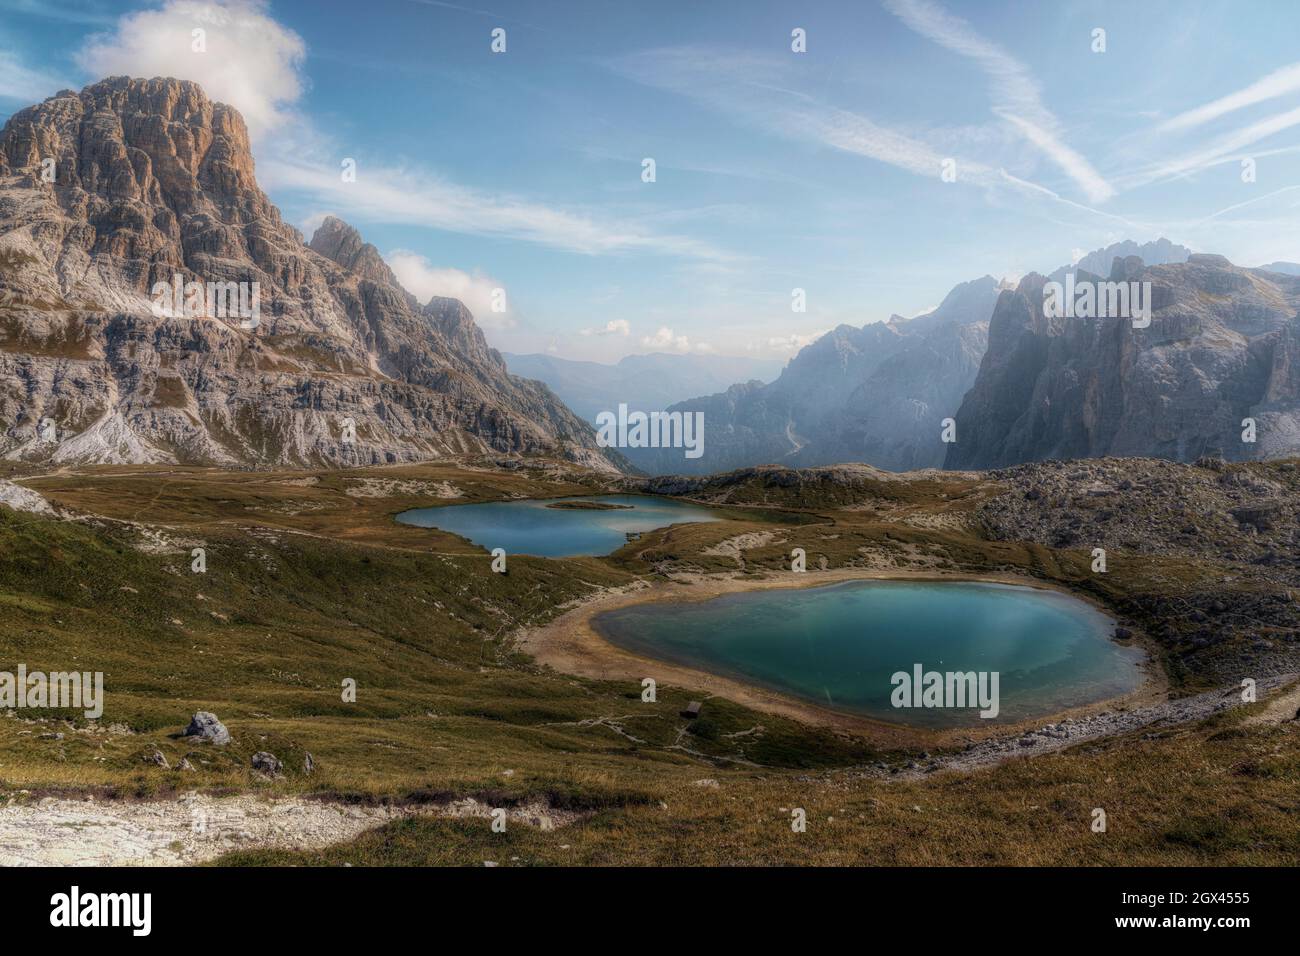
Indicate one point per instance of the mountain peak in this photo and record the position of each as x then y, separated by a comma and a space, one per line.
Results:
159, 145
341, 243
288, 353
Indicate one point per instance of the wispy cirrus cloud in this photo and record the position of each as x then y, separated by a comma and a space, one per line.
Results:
1224, 147
748, 89
1278, 83
420, 197
751, 89
1018, 97
22, 83
73, 11
1176, 154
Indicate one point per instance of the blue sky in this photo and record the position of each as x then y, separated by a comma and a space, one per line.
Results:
775, 170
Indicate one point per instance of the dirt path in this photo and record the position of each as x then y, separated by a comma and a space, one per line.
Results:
1285, 706
197, 828
1047, 738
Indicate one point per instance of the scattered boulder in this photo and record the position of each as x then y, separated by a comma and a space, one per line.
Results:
308, 764
1259, 515
267, 763
205, 726
185, 764
156, 756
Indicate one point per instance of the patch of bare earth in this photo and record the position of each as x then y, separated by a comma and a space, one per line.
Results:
736, 547
389, 487
198, 828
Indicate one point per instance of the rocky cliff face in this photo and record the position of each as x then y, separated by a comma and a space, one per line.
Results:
1221, 347
106, 193
875, 394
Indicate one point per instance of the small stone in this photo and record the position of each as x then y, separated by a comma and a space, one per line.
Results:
155, 756
267, 763
308, 765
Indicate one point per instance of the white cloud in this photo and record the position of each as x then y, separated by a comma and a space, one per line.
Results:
417, 197
665, 340
1228, 144
1278, 83
741, 87
251, 61
18, 82
1017, 93
612, 327
784, 345
424, 280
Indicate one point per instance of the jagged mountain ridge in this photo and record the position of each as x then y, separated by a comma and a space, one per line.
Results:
1223, 346
151, 179
1159, 252
874, 394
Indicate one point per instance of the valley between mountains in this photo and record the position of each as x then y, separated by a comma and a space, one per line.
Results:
383, 692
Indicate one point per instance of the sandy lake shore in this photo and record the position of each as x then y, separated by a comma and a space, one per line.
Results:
571, 644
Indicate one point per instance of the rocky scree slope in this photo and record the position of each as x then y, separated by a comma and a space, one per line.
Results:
1238, 522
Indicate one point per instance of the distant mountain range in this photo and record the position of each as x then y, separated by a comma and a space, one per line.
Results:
1287, 268
1020, 388
1157, 253
131, 184
647, 382
874, 394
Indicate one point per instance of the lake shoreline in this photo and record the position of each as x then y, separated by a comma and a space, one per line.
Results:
558, 527
573, 644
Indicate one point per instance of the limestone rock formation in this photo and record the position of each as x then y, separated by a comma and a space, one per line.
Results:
109, 195
1223, 346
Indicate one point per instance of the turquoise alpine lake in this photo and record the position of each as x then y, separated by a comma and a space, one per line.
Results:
845, 646
536, 526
